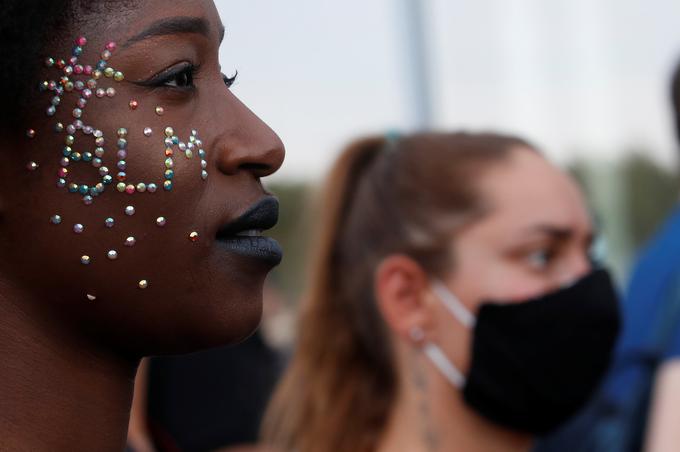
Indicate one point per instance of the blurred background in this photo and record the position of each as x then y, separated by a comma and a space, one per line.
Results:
587, 81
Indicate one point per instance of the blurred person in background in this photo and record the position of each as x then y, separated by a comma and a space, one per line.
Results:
96, 274
638, 406
452, 302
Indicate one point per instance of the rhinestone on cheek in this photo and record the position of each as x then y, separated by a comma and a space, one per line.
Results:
32, 166
112, 255
30, 133
161, 221
133, 104
130, 241
55, 219
129, 211
148, 131
78, 228
193, 236
143, 284
109, 222
91, 297
85, 260
160, 111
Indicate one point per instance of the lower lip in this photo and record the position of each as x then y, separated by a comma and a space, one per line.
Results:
262, 248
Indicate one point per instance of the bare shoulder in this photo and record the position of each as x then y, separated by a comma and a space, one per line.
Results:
662, 432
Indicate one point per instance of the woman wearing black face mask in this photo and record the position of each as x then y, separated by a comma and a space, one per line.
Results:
452, 304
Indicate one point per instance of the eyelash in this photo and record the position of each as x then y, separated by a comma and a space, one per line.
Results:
188, 73
166, 78
229, 81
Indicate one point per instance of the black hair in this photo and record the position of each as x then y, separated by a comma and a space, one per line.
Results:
25, 26
27, 29
675, 98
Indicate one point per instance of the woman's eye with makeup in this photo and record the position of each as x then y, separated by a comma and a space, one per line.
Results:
181, 79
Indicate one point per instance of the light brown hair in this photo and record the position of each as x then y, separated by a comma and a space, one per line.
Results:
410, 196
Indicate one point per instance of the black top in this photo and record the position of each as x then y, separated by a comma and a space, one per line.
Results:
211, 399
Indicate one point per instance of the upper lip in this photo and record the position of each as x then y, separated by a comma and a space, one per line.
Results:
260, 217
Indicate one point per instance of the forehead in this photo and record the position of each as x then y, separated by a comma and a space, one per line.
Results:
122, 23
527, 190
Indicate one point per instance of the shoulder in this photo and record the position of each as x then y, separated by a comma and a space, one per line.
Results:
663, 434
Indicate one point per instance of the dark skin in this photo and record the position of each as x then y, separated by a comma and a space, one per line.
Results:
69, 363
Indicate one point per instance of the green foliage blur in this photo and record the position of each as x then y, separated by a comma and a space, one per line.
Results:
293, 233
630, 199
652, 192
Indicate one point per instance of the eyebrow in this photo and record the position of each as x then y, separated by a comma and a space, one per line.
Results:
172, 26
555, 232
560, 234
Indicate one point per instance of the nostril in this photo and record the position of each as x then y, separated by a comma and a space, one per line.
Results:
259, 152
258, 169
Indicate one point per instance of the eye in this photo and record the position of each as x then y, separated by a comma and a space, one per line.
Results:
182, 79
229, 81
540, 259
179, 77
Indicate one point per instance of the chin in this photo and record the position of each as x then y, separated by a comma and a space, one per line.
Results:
229, 322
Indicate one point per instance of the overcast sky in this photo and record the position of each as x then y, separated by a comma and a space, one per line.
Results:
578, 77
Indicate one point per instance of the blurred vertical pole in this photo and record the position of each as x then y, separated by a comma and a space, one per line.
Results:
415, 53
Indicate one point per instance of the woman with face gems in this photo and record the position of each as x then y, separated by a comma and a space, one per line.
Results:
130, 209
452, 306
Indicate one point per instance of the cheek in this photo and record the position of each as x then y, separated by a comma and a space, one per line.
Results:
110, 215
490, 277
117, 163
512, 282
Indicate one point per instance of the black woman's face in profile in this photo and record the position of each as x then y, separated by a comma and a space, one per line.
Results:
132, 210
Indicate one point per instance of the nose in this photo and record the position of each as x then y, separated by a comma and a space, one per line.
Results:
249, 145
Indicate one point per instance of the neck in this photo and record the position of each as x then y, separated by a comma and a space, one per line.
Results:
58, 390
429, 416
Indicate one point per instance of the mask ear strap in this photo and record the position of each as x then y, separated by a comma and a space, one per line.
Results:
445, 366
453, 304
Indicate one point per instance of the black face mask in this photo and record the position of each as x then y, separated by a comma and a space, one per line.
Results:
535, 363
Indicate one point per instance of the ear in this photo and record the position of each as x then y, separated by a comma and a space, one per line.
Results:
401, 287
